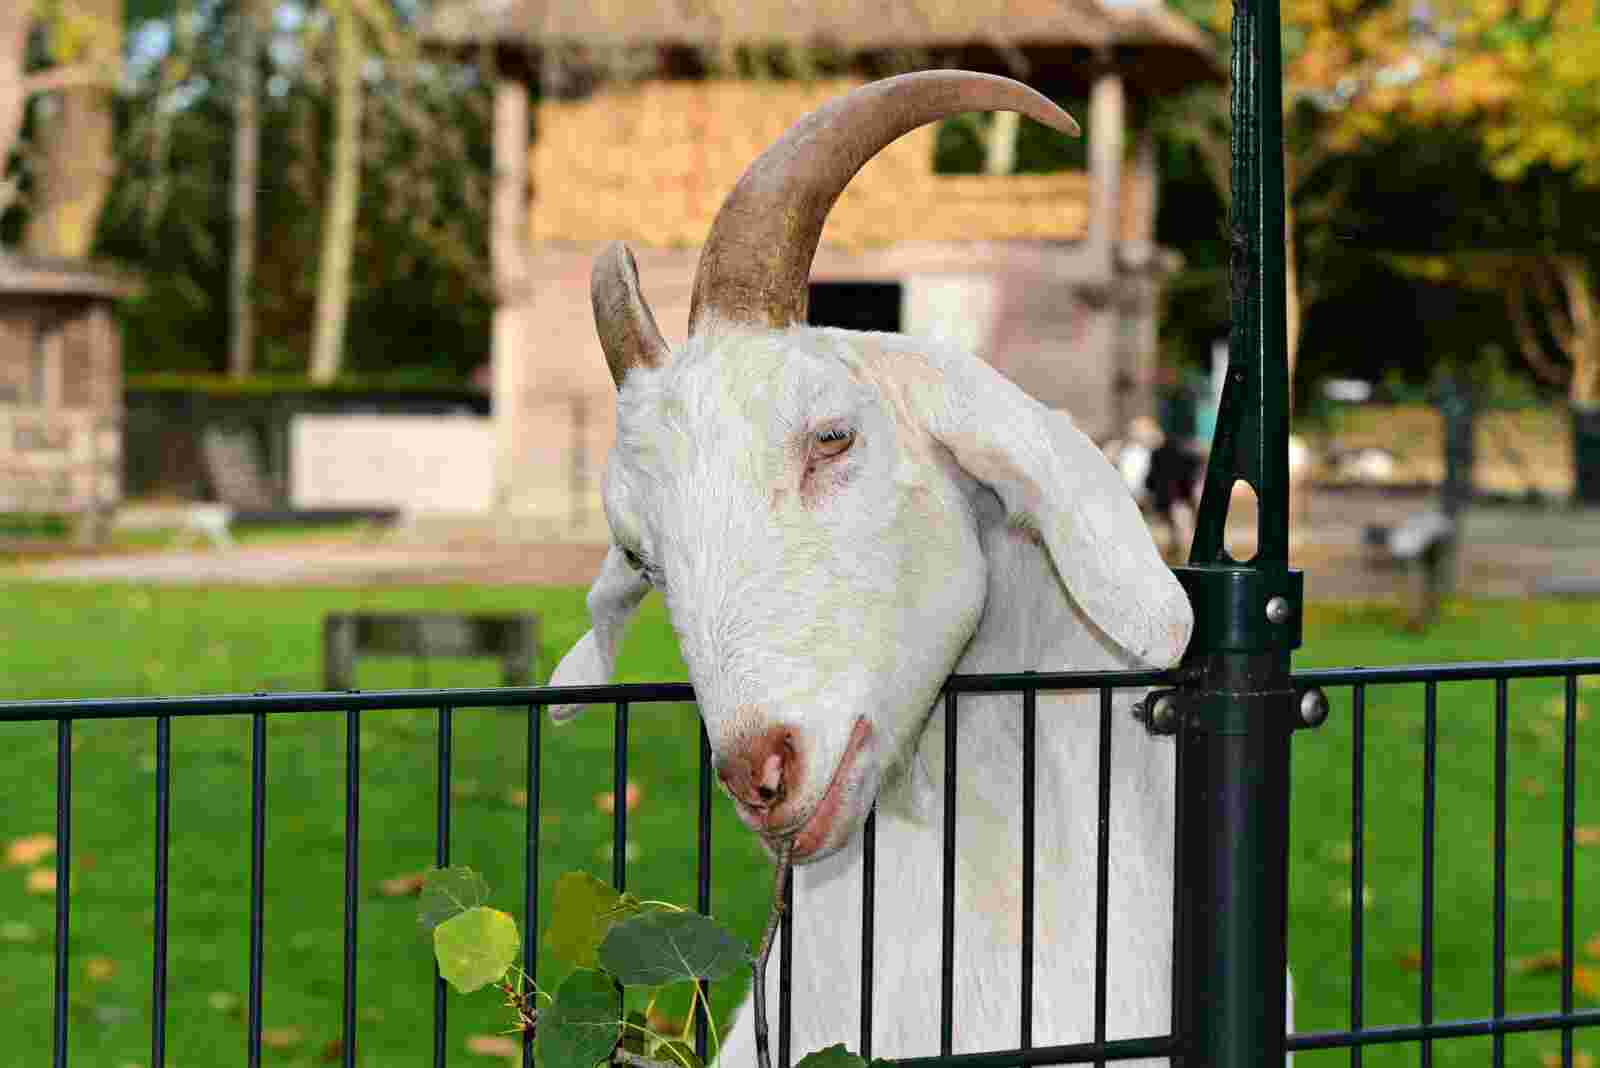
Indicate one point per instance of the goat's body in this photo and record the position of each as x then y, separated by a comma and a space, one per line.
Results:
1029, 625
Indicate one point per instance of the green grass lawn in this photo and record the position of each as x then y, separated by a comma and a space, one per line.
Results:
77, 641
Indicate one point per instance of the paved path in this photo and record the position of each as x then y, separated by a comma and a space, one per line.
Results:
1508, 551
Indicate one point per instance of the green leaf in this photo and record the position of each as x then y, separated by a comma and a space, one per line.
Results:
833, 1057
583, 911
448, 892
677, 1052
475, 948
580, 1028
669, 947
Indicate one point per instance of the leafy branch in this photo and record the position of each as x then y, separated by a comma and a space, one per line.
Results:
614, 941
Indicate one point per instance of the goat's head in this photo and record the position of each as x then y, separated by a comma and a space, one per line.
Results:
804, 498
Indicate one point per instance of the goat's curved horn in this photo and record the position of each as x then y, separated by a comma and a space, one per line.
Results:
757, 260
623, 320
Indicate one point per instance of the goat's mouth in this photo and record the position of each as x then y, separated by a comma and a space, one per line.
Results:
827, 827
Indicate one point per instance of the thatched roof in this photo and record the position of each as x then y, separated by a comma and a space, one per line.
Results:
1026, 38
651, 163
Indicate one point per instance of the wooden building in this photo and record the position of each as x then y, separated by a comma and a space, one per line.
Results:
60, 389
641, 130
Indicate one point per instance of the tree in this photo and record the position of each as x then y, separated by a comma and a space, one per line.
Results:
1519, 76
246, 164
74, 144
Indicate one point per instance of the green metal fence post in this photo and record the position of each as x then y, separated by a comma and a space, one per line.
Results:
1238, 706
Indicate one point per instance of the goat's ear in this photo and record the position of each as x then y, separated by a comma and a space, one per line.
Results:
613, 599
1053, 480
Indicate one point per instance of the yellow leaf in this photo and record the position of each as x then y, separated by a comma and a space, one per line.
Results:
100, 968
282, 1037
42, 881
494, 1046
30, 849
1548, 960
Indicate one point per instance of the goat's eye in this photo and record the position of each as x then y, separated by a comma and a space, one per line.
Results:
633, 558
833, 441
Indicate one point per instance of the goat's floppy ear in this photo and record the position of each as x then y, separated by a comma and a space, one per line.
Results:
1054, 480
613, 599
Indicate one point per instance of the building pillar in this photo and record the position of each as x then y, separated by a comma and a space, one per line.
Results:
510, 259
1107, 136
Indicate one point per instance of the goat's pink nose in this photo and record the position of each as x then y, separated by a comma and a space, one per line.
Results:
758, 769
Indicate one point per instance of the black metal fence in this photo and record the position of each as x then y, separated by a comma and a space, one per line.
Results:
1197, 908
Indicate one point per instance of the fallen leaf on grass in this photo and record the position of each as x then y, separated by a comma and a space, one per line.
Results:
1533, 787
42, 881
282, 1037
332, 1051
607, 801
402, 886
29, 849
1410, 959
1580, 1059
1586, 981
1587, 836
494, 1046
100, 968
1548, 960
1592, 947
518, 798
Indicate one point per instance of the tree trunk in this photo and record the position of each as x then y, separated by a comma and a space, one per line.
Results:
246, 155
1583, 349
339, 231
15, 20
76, 141
1000, 146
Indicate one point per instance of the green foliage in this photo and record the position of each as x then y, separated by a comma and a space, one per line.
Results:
583, 912
475, 948
580, 1028
835, 1056
658, 948
448, 892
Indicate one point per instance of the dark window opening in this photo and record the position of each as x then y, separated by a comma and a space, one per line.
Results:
856, 305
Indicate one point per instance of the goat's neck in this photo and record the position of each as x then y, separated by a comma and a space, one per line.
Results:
1029, 624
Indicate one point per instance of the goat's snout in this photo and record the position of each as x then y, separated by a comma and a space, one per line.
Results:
758, 771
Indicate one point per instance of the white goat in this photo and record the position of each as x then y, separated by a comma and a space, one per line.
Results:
839, 520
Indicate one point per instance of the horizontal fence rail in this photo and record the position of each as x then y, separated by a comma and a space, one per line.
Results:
623, 698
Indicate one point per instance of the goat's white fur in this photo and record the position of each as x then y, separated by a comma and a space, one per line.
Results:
974, 530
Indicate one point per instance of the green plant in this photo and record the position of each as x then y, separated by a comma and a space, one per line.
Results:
616, 941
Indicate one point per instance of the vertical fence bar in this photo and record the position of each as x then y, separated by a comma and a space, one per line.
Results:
1430, 756
786, 973
158, 970
1500, 732
702, 1030
869, 879
1102, 882
352, 877
619, 794
1569, 830
1030, 772
258, 875
63, 885
1358, 861
530, 872
947, 936
441, 859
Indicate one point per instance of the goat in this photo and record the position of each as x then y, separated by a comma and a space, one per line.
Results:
837, 521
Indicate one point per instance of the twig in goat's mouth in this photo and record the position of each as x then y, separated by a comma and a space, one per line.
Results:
785, 854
